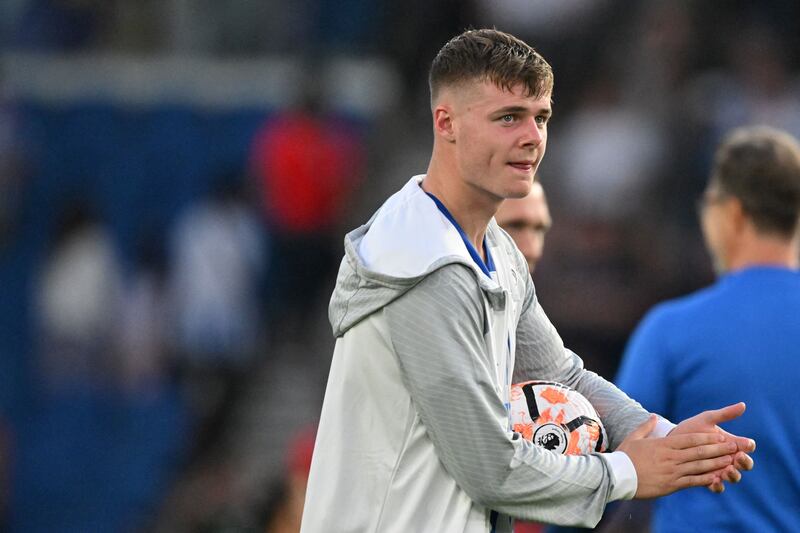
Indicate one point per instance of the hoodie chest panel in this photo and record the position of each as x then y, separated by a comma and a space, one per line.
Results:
500, 336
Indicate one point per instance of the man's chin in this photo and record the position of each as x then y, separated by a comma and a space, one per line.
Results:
522, 190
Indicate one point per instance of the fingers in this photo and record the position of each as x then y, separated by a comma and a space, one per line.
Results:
731, 474
717, 487
701, 466
742, 461
700, 480
717, 416
707, 451
692, 440
744, 444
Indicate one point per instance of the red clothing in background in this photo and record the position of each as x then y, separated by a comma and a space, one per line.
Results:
307, 167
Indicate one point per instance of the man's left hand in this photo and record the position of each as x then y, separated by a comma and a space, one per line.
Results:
706, 422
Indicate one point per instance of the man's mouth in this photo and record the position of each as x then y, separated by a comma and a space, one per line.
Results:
522, 165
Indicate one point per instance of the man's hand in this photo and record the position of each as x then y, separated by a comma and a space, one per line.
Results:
706, 422
664, 465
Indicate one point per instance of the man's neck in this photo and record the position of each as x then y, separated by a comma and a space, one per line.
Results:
766, 251
469, 209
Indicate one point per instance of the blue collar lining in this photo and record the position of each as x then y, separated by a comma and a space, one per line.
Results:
486, 267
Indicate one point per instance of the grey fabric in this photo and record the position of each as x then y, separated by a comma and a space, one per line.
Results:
541, 355
436, 330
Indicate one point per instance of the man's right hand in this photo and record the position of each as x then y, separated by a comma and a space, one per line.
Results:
664, 465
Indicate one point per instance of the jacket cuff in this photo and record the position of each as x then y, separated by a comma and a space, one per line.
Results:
623, 475
663, 427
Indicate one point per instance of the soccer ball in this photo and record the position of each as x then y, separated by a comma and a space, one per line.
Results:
556, 417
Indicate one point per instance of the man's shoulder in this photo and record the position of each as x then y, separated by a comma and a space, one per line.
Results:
450, 276
677, 312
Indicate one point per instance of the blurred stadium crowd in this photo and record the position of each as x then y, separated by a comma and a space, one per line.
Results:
176, 177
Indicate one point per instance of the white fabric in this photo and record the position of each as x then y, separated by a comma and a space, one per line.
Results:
625, 479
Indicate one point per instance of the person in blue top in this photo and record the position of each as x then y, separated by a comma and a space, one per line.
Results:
736, 340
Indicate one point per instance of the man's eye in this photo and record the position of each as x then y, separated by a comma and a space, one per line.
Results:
541, 119
508, 119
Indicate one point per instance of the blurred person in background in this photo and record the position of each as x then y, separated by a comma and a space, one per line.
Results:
527, 220
218, 258
307, 162
141, 339
90, 454
739, 338
79, 300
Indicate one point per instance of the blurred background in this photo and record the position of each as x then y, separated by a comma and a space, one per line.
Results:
176, 178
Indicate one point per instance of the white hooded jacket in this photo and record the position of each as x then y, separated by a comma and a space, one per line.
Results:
414, 433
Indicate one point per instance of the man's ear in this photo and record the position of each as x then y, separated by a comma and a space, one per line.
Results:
443, 123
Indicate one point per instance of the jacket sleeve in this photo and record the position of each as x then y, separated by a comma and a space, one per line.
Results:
541, 355
437, 331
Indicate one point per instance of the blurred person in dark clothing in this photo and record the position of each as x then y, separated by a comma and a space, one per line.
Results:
737, 338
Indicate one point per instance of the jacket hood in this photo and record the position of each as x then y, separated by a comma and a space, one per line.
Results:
403, 242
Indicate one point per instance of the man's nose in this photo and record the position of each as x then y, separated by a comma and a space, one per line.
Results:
533, 134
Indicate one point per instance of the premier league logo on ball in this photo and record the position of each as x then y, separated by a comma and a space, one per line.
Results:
557, 418
551, 437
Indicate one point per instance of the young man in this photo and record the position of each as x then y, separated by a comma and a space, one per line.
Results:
435, 316
739, 338
527, 220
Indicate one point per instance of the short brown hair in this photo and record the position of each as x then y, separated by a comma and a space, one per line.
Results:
760, 166
492, 55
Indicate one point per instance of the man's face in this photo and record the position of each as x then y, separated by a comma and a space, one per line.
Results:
527, 220
500, 137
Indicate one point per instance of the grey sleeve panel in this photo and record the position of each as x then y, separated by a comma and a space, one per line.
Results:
541, 355
437, 333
